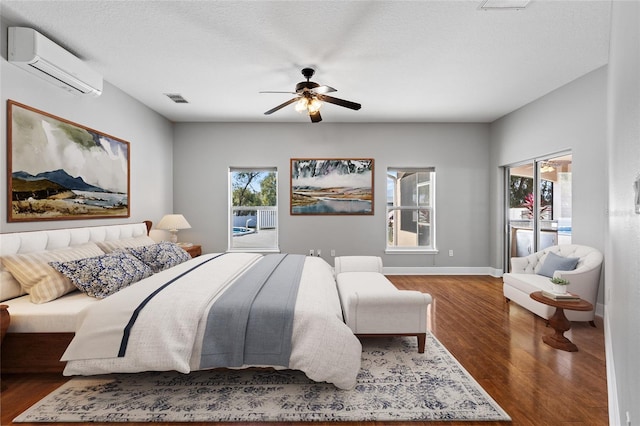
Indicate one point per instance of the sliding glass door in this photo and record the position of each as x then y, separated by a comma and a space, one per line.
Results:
538, 205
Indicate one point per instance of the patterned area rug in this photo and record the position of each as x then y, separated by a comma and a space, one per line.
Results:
395, 383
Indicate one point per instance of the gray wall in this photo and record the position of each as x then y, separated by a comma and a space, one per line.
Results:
622, 301
114, 113
572, 117
203, 152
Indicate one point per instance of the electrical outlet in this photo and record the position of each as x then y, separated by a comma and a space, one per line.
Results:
333, 253
319, 252
311, 252
451, 253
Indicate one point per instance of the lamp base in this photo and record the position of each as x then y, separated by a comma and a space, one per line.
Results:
174, 236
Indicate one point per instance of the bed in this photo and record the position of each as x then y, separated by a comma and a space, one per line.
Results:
173, 318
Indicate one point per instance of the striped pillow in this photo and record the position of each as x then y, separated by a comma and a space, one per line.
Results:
41, 281
112, 245
9, 287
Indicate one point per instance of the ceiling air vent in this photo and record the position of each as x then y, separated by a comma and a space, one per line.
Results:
177, 98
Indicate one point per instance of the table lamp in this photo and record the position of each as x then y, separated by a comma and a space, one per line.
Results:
173, 223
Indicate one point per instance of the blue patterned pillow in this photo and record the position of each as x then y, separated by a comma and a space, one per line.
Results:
160, 256
104, 275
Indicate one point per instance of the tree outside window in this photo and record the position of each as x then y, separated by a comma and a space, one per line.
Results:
521, 196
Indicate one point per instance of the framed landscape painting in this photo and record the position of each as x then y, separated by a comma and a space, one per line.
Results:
60, 170
331, 186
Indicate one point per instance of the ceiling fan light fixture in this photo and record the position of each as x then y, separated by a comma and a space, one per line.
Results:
308, 105
301, 105
314, 105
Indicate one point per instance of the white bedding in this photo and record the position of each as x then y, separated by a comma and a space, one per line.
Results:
59, 316
166, 337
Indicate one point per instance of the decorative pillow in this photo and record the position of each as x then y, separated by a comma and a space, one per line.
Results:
161, 256
9, 286
553, 263
111, 245
104, 275
41, 281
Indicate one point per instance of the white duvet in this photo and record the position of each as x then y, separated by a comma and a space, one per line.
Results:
168, 332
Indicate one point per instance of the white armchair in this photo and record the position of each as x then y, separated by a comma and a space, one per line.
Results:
523, 279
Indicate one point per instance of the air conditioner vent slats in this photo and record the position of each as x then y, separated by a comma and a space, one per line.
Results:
504, 4
65, 80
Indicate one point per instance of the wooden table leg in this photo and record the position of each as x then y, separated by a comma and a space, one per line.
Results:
560, 324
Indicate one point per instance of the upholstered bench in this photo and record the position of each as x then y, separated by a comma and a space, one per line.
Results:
373, 306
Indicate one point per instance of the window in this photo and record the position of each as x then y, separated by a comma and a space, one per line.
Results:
411, 209
254, 209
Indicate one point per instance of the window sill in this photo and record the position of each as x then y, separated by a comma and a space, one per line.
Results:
411, 251
254, 250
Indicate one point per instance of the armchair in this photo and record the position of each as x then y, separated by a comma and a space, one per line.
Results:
523, 279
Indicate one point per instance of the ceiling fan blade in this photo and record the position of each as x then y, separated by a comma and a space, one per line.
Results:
324, 89
341, 102
289, 102
315, 117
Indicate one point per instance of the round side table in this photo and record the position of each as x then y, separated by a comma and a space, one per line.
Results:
559, 321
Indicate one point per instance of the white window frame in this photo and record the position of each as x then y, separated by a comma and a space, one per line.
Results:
266, 223
396, 206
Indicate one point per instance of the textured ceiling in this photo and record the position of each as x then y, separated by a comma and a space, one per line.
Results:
404, 61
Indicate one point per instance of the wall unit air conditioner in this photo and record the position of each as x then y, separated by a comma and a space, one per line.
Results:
35, 53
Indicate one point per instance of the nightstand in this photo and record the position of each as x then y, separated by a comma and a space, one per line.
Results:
194, 250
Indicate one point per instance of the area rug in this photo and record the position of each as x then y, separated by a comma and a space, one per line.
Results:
395, 383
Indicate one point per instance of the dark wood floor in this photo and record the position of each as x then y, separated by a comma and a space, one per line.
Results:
499, 344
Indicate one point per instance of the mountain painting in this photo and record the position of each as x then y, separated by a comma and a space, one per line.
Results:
331, 186
60, 170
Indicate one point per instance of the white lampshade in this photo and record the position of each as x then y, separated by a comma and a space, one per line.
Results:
173, 223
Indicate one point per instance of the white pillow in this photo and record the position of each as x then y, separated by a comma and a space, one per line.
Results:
41, 281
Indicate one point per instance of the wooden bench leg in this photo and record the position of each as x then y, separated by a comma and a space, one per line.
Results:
422, 339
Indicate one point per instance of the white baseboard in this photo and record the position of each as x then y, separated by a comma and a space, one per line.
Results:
434, 270
614, 409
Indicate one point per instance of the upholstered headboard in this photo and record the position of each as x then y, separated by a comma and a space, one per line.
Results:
34, 241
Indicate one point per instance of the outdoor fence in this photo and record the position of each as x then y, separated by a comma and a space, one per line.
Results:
258, 217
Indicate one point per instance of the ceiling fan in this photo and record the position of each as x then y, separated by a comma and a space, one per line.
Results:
310, 96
